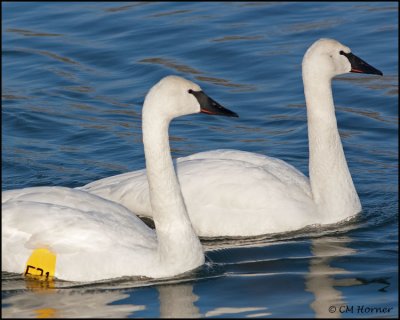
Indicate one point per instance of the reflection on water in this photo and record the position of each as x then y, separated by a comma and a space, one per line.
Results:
123, 8
177, 301
321, 277
190, 70
169, 13
171, 64
237, 38
237, 312
176, 296
41, 301
67, 303
306, 26
387, 83
30, 33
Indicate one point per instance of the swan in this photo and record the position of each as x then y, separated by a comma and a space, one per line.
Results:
93, 238
230, 193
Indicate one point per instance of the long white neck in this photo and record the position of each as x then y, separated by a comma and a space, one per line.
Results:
331, 183
178, 245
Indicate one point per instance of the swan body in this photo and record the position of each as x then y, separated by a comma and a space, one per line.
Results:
87, 233
94, 238
237, 193
213, 211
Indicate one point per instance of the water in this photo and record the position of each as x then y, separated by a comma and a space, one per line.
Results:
74, 79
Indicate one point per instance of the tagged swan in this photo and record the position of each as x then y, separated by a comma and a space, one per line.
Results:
238, 193
94, 238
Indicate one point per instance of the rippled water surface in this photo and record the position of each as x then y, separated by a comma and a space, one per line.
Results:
74, 78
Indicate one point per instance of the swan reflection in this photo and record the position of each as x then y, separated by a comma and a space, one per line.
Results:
321, 277
68, 303
177, 297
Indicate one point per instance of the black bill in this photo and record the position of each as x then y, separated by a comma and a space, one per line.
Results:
360, 66
209, 106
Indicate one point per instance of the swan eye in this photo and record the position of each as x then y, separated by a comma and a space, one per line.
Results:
341, 52
191, 91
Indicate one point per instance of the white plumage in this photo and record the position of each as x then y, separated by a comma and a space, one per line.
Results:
222, 191
94, 238
237, 193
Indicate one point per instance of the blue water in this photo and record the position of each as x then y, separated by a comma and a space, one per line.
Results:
74, 78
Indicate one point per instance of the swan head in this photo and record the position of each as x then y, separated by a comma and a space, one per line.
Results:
328, 57
175, 96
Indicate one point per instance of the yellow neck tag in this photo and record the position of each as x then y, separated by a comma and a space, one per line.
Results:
41, 264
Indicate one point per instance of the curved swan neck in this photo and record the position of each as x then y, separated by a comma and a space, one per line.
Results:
331, 183
177, 241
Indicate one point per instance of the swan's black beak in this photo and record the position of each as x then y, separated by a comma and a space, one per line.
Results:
360, 66
209, 106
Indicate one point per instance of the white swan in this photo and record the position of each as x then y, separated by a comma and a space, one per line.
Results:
94, 238
237, 193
